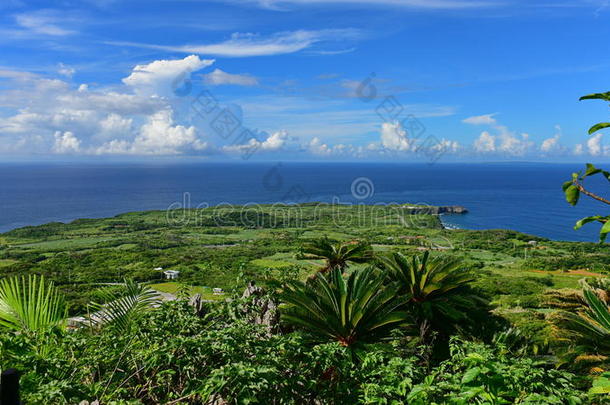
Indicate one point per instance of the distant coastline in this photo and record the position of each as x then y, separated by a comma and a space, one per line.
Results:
524, 197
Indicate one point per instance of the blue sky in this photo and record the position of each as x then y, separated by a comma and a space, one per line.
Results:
406, 80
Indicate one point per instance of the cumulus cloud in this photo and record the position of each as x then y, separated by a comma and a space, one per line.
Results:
594, 145
485, 143
162, 77
219, 77
504, 140
317, 147
394, 137
66, 143
552, 145
158, 136
64, 118
273, 142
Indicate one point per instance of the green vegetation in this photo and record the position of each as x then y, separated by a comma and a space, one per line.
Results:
353, 312
405, 312
30, 305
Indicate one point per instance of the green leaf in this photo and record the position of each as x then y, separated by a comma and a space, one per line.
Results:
596, 96
471, 374
591, 170
566, 184
572, 193
586, 220
599, 126
603, 233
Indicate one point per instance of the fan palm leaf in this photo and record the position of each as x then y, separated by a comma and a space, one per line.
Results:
30, 304
124, 306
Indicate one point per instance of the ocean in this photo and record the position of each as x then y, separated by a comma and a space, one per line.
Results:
526, 197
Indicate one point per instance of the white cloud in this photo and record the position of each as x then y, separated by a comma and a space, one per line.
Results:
552, 145
317, 147
43, 22
66, 143
218, 77
485, 143
158, 136
578, 149
273, 142
446, 146
504, 141
487, 119
248, 44
162, 77
62, 119
594, 145
394, 137
66, 71
115, 125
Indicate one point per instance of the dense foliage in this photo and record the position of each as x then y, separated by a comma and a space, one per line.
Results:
404, 311
174, 356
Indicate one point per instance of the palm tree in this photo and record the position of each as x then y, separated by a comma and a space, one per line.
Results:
30, 304
352, 311
437, 291
123, 306
338, 255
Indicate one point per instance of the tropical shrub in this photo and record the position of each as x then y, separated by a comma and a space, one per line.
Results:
479, 374
354, 311
436, 292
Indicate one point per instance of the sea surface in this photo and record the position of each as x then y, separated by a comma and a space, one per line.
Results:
526, 197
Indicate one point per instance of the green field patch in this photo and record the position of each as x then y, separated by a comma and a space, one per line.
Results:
269, 263
64, 244
174, 288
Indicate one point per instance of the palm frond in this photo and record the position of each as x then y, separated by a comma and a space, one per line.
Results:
123, 307
338, 255
355, 310
437, 289
30, 304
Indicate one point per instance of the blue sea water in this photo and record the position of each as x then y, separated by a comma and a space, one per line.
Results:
526, 197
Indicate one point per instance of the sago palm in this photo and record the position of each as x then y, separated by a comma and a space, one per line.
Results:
124, 306
30, 304
587, 327
355, 310
436, 289
338, 255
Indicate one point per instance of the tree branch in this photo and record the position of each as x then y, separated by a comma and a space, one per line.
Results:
588, 193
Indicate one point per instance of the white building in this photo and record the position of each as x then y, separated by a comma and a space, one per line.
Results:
171, 274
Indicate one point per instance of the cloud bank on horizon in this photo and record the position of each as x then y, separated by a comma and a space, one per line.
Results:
274, 79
